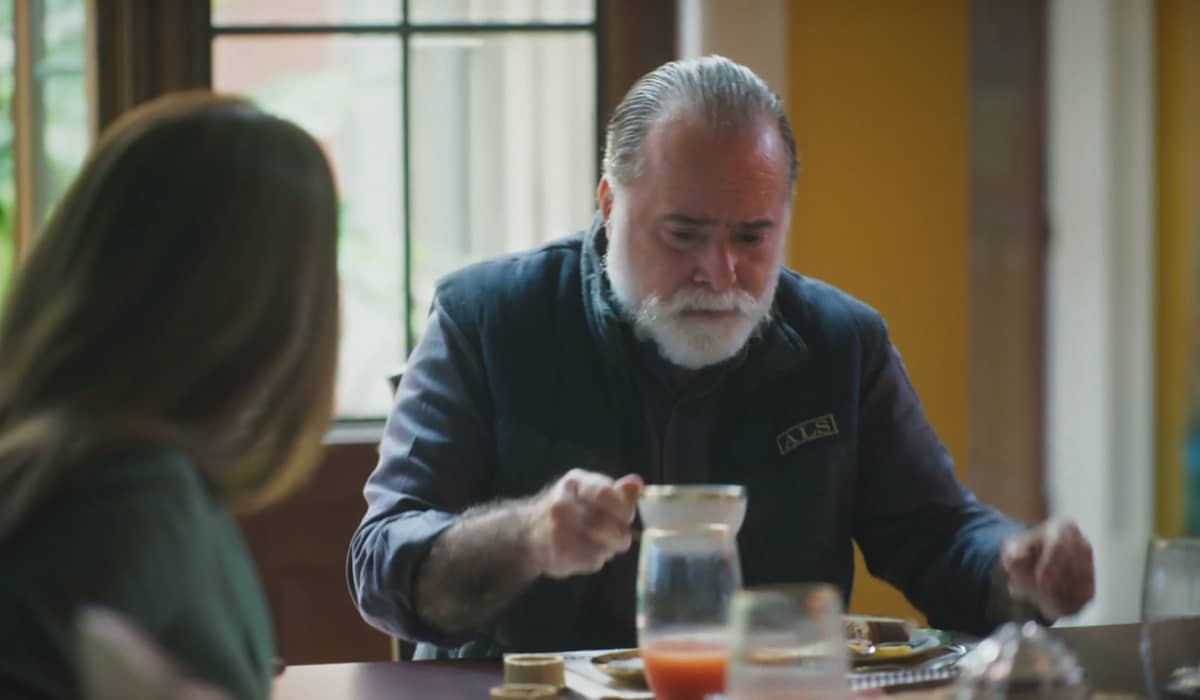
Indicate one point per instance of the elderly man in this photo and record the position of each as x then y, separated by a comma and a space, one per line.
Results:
667, 344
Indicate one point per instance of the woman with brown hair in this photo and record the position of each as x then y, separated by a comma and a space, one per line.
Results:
167, 353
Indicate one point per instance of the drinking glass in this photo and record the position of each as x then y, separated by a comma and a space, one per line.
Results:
787, 642
686, 580
1171, 619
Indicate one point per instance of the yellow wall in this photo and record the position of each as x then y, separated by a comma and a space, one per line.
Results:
1178, 221
877, 93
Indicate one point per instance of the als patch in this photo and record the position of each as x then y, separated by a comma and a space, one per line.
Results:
805, 432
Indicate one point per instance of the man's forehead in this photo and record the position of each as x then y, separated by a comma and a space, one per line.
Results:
690, 146
695, 219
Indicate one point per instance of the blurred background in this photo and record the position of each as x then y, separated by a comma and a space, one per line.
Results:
1014, 184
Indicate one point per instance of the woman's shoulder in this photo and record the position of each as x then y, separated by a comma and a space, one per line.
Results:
131, 472
139, 483
122, 531
132, 511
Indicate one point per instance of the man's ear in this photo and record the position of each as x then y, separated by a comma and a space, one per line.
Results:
604, 198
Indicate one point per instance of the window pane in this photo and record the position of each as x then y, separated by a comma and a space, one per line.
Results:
230, 12
63, 91
503, 147
60, 139
346, 91
8, 179
508, 11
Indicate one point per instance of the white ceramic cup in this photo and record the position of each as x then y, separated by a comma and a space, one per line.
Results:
679, 506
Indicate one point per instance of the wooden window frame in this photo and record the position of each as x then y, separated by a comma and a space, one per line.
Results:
145, 48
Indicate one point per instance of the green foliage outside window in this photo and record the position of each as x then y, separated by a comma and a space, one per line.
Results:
8, 185
59, 72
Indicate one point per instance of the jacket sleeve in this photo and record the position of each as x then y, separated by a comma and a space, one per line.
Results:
436, 459
918, 527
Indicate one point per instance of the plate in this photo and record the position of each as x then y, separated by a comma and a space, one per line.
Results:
921, 645
624, 666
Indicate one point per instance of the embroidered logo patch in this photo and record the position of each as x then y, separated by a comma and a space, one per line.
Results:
806, 431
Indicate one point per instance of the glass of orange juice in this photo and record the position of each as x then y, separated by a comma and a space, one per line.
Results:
686, 580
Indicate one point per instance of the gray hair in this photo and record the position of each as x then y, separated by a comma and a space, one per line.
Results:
721, 92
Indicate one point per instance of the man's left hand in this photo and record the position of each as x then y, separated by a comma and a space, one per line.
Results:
1050, 565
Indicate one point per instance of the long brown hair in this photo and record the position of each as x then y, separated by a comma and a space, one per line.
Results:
184, 293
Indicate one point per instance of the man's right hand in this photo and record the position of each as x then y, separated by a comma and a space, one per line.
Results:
581, 522
482, 562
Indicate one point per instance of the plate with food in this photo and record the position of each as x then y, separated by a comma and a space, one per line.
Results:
871, 639
624, 666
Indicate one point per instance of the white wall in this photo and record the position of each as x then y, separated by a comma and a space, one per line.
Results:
1099, 450
751, 32
1099, 332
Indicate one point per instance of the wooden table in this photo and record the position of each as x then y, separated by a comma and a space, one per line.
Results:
389, 680
1109, 653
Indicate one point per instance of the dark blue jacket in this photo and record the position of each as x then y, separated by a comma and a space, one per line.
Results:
527, 372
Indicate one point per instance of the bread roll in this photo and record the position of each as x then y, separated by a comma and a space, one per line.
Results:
877, 630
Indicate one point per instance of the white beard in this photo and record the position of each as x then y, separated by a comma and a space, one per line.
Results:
691, 343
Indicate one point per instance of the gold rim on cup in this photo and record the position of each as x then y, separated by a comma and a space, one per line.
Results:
1157, 543
717, 529
694, 492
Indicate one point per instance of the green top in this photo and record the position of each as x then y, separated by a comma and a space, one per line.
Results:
140, 533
